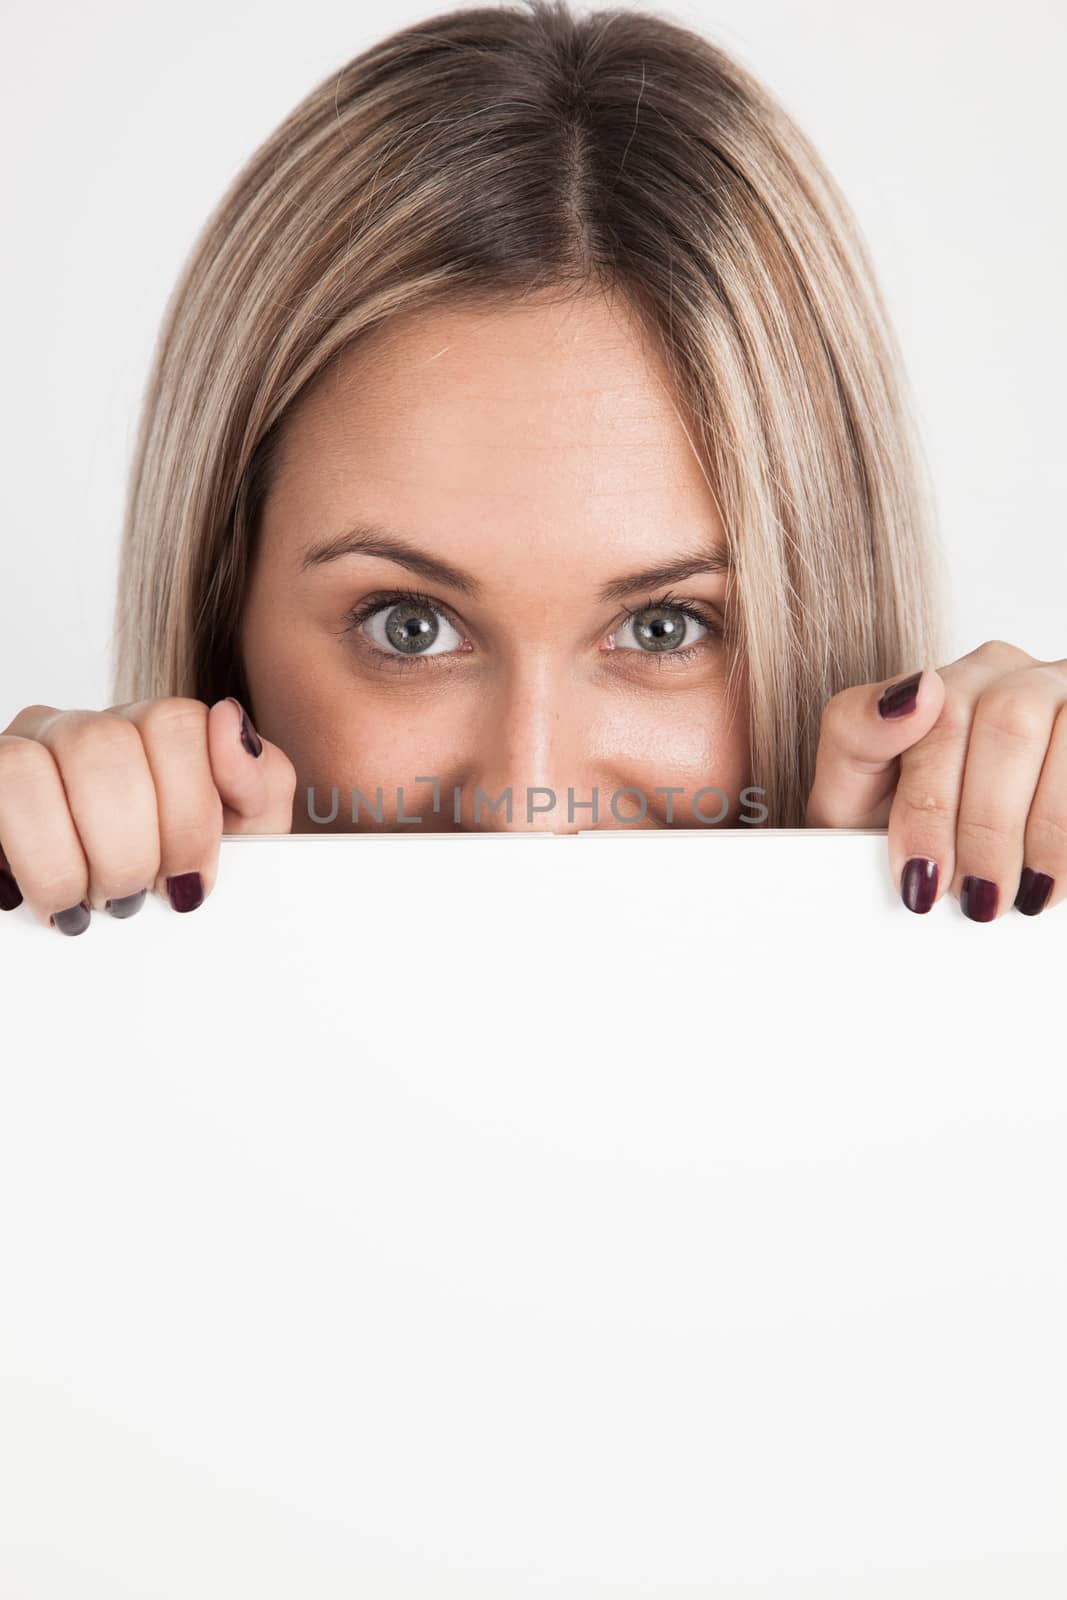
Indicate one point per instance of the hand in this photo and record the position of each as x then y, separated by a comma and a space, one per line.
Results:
969, 775
98, 807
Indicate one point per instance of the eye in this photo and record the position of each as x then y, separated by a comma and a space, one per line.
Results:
405, 625
664, 628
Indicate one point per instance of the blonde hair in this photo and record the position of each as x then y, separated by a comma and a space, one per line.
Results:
489, 154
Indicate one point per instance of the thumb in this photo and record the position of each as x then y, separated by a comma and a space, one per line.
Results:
864, 731
256, 780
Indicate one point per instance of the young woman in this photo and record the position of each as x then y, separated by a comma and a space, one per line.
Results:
526, 423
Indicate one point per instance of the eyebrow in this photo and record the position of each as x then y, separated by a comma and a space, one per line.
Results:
371, 539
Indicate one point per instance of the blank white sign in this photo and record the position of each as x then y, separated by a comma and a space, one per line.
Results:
631, 1214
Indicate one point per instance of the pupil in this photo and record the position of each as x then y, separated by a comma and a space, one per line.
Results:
665, 631
410, 628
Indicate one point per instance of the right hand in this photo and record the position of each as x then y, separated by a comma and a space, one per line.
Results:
99, 807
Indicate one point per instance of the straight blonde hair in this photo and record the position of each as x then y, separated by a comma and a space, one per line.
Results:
487, 155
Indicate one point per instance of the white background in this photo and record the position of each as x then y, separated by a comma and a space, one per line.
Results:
123, 123
474, 1217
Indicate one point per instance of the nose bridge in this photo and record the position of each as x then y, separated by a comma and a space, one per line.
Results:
530, 739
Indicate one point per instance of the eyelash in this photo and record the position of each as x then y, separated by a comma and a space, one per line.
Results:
382, 600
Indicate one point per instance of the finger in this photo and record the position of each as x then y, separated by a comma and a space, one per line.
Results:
1043, 881
26, 721
44, 856
173, 732
924, 816
864, 732
255, 779
1010, 734
111, 800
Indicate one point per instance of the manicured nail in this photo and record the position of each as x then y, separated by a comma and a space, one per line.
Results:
10, 893
128, 905
900, 698
918, 883
249, 737
1034, 891
74, 920
186, 890
978, 899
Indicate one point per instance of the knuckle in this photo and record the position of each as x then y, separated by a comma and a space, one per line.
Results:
29, 720
23, 761
75, 733
197, 831
1011, 715
1051, 674
1046, 837
952, 726
934, 809
34, 714
984, 832
999, 650
174, 716
58, 890
94, 736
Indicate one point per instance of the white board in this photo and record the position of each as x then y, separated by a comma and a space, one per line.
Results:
641, 1214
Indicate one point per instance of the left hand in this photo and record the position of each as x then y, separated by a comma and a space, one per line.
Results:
971, 780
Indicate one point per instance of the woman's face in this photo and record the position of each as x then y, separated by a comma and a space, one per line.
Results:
524, 473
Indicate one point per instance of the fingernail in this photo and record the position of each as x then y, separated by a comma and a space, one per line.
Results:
900, 698
10, 893
918, 883
127, 905
978, 899
186, 890
74, 920
1034, 891
249, 737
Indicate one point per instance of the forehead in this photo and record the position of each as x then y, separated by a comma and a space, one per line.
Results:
553, 421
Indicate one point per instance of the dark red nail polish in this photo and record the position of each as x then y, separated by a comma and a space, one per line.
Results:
918, 883
978, 899
1034, 891
127, 905
900, 698
186, 890
10, 893
249, 737
74, 920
